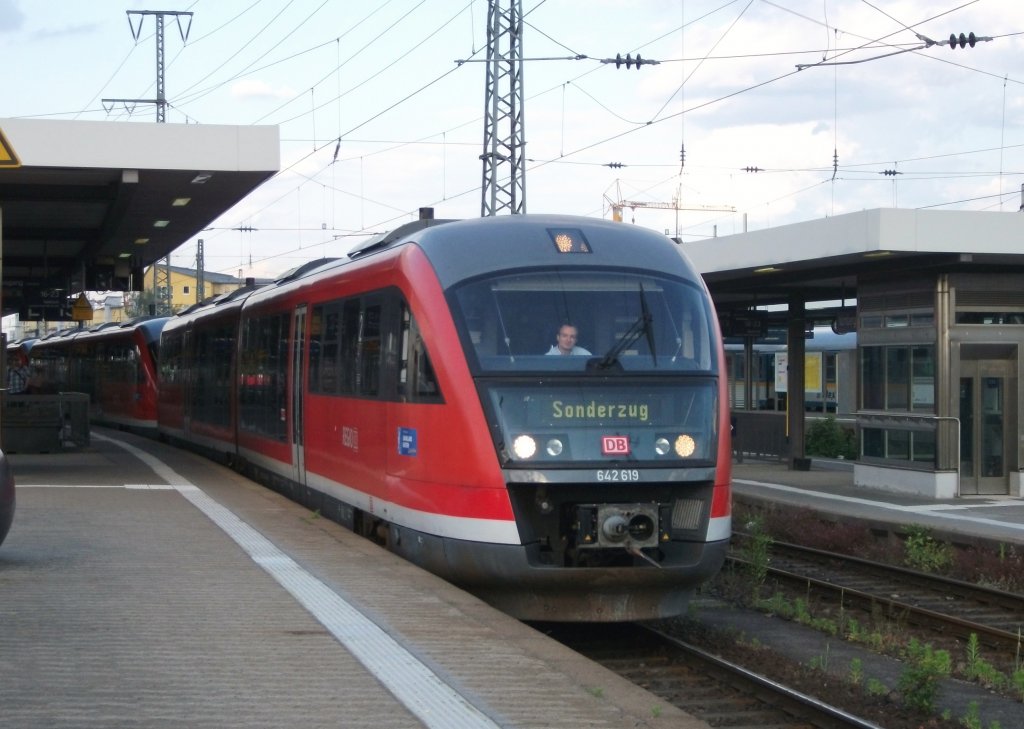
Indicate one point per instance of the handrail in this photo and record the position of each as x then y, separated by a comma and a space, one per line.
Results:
921, 416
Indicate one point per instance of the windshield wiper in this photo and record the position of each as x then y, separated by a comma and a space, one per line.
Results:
641, 327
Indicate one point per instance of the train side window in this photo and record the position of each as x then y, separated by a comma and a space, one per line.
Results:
170, 358
324, 361
347, 346
262, 368
210, 400
416, 379
348, 353
369, 351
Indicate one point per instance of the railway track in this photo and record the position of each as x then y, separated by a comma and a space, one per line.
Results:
714, 690
948, 606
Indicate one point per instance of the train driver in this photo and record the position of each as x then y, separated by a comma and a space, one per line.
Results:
566, 341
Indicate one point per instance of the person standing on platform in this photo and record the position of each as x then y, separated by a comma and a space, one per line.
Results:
18, 374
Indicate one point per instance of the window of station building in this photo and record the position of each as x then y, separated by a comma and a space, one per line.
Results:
872, 368
899, 444
897, 321
923, 447
922, 380
996, 318
898, 378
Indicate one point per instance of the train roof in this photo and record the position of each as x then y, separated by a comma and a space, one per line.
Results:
397, 235
149, 325
463, 249
24, 345
220, 299
305, 269
469, 248
219, 303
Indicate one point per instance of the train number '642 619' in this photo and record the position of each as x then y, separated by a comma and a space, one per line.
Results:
618, 474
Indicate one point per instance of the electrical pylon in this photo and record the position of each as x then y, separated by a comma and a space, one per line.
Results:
504, 162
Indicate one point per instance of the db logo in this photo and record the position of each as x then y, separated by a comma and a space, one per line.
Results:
614, 445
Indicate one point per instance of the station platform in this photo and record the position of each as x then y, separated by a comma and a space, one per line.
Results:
828, 488
144, 586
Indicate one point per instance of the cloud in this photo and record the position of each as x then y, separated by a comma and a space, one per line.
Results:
11, 17
255, 89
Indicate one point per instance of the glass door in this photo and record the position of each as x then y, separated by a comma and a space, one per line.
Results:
987, 422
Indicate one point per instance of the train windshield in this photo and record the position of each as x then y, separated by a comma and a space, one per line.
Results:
585, 321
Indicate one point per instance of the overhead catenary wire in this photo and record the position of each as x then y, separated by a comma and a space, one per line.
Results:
568, 152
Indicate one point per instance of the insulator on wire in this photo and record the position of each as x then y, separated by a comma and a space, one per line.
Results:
962, 40
630, 61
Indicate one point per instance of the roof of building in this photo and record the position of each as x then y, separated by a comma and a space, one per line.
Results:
109, 198
823, 260
209, 276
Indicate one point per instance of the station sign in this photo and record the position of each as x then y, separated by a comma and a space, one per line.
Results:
8, 158
743, 324
845, 321
82, 309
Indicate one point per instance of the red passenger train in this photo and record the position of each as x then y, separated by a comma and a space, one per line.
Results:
113, 363
407, 392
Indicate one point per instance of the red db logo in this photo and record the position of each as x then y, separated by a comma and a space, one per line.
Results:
614, 445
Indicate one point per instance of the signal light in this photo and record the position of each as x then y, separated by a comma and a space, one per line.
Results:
962, 40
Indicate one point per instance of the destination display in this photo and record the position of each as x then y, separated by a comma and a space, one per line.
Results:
592, 407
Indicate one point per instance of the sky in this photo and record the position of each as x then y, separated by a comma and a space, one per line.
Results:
746, 114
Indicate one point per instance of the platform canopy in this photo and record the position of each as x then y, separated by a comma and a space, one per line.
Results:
825, 260
87, 205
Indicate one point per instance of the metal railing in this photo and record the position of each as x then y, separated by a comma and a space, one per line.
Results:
896, 417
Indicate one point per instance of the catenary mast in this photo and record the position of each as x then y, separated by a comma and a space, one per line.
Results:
504, 163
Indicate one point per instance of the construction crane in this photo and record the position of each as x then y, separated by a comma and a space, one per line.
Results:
619, 204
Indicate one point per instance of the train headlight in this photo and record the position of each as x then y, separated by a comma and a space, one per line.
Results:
685, 446
555, 447
662, 446
524, 446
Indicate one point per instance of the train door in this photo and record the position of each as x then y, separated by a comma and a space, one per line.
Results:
988, 424
298, 382
187, 357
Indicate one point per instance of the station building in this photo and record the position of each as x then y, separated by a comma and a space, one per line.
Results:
937, 302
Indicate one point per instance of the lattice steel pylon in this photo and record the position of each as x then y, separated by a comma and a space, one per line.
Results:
161, 305
504, 162
161, 98
200, 271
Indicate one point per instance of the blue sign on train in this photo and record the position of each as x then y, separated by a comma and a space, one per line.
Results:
407, 441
